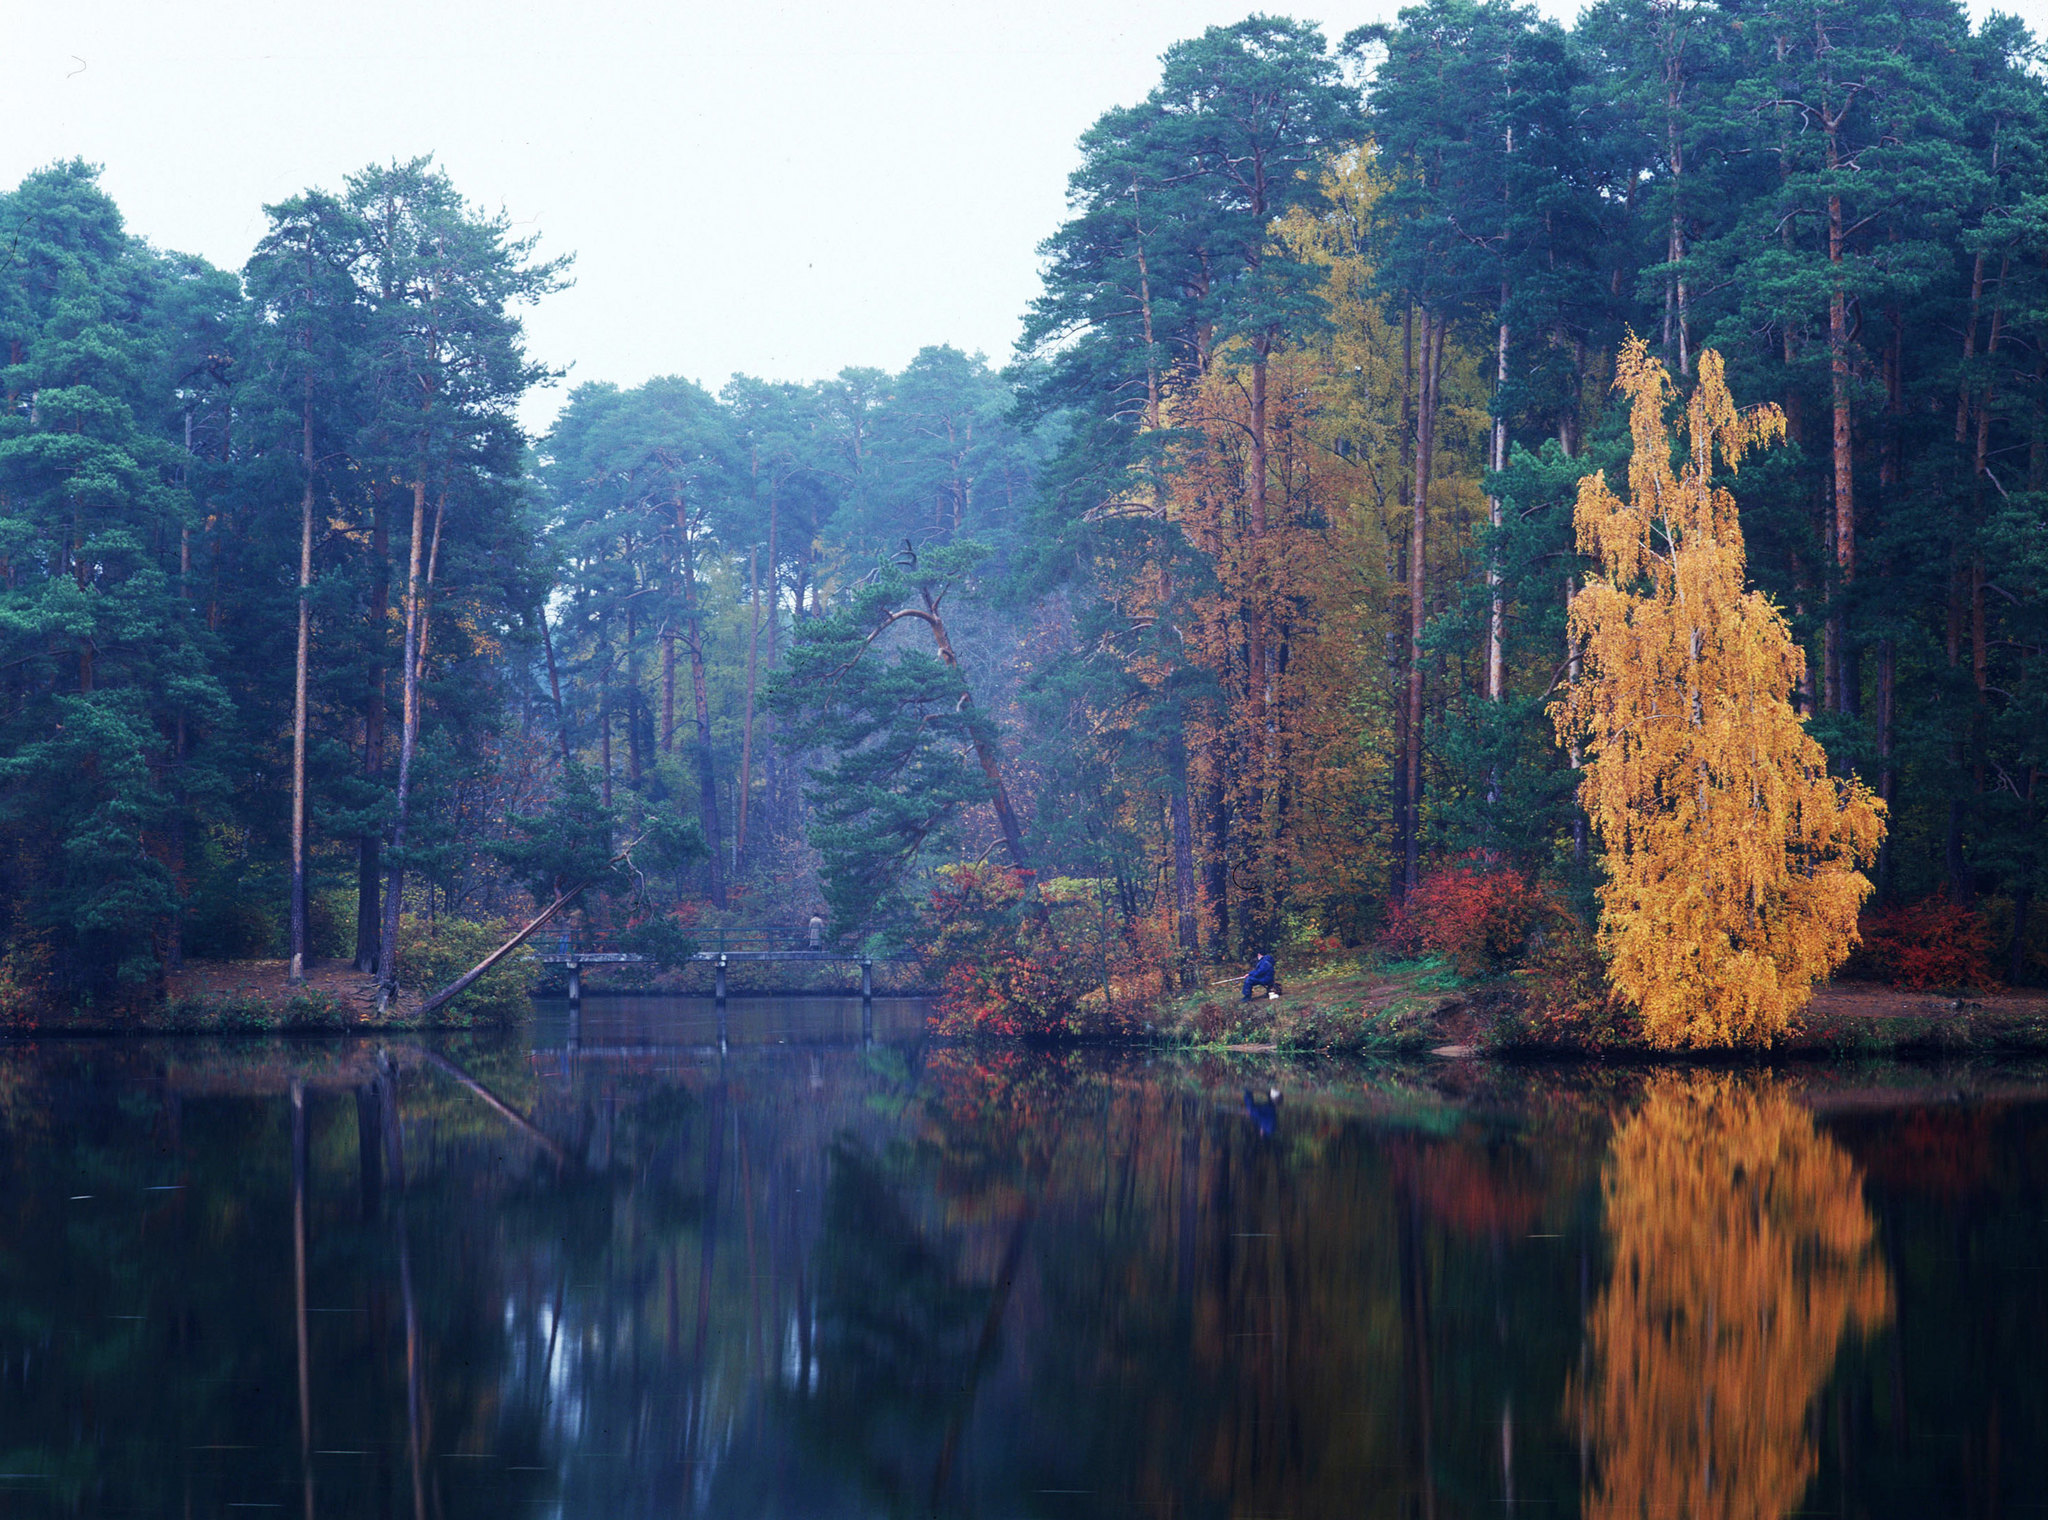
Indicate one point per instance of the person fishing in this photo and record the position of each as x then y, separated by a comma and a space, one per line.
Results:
1261, 976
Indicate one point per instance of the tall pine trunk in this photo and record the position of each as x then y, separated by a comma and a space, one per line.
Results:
1841, 655
547, 644
369, 869
394, 889
297, 972
668, 688
707, 781
742, 806
1432, 336
1496, 618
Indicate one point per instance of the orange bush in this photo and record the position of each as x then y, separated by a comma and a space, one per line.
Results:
1922, 945
1001, 973
1476, 914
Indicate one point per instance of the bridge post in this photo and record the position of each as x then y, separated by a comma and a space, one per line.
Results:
867, 980
575, 980
719, 993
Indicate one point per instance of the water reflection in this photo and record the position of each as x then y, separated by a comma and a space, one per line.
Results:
815, 1276
1742, 1253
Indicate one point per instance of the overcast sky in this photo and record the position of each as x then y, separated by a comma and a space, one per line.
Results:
779, 189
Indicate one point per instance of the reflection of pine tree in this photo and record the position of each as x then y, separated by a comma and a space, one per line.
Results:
1742, 1253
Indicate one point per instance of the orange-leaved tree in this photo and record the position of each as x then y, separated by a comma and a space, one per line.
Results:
1732, 856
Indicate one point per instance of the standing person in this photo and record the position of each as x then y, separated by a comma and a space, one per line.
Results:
1261, 976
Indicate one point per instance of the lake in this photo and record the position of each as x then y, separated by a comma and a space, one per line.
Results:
801, 1262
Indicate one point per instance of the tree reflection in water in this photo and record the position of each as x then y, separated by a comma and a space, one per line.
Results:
916, 1280
1743, 1253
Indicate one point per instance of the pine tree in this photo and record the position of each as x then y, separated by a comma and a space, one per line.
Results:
1731, 854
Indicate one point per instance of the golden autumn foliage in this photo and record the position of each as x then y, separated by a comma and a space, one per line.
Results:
1743, 1253
1285, 630
1731, 854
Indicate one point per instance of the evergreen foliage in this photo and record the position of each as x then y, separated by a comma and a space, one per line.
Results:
1271, 519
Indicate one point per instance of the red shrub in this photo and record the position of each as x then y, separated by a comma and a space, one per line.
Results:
1002, 974
1923, 945
1475, 914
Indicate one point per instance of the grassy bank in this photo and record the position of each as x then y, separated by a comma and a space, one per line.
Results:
253, 997
1345, 1007
1423, 1007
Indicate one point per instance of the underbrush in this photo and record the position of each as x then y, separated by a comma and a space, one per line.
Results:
306, 1013
430, 956
1935, 944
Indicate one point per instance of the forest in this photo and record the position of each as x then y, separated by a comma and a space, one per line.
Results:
1234, 611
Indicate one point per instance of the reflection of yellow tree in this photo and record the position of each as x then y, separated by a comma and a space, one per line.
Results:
1742, 1253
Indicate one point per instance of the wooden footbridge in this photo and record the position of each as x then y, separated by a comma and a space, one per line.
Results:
797, 944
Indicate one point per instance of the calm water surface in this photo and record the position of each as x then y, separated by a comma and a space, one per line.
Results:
644, 1261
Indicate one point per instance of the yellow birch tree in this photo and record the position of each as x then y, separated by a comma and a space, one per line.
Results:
1732, 857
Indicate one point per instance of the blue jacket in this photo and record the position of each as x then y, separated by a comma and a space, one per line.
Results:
1263, 971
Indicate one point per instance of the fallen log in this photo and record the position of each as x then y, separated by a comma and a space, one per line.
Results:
463, 982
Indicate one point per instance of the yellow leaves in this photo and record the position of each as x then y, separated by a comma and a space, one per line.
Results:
1743, 1253
1732, 856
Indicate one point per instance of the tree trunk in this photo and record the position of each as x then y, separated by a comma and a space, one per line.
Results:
468, 978
2022, 910
707, 782
1216, 809
1848, 686
741, 806
369, 870
1887, 776
1418, 531
633, 698
1496, 621
1676, 301
668, 688
604, 731
297, 971
984, 752
1962, 885
1187, 894
547, 643
1398, 646
394, 890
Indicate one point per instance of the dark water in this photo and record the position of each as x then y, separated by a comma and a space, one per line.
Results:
605, 1270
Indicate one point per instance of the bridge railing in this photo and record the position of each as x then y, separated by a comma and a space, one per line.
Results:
715, 938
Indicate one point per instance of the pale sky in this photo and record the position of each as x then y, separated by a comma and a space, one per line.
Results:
781, 189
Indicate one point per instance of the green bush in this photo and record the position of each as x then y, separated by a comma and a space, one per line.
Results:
429, 959
222, 924
331, 923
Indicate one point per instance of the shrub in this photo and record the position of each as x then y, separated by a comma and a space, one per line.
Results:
430, 958
1569, 1003
1002, 972
226, 924
1933, 943
1476, 914
331, 923
27, 978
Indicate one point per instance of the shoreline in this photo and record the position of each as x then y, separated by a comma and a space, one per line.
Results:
1417, 1010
